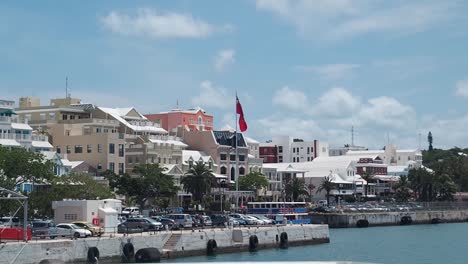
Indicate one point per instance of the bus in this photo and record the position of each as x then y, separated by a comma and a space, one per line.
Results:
293, 212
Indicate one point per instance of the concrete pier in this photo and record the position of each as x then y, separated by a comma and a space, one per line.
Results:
170, 244
390, 218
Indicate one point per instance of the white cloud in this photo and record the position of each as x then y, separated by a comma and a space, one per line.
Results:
330, 71
212, 96
335, 19
336, 102
148, 22
388, 112
290, 99
462, 88
224, 58
296, 127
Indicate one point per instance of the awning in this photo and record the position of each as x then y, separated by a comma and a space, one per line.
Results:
41, 144
9, 142
7, 111
219, 176
20, 126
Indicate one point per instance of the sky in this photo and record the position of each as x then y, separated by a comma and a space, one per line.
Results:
393, 70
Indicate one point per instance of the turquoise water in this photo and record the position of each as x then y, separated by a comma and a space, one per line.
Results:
417, 244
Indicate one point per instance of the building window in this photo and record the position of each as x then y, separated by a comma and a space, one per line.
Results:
223, 156
190, 163
280, 149
99, 166
200, 120
280, 159
294, 159
165, 160
64, 117
78, 149
130, 160
68, 149
241, 171
159, 160
111, 148
89, 148
72, 117
58, 150
99, 148
241, 158
111, 166
121, 150
294, 150
223, 170
121, 168
152, 159
70, 216
42, 116
98, 130
232, 157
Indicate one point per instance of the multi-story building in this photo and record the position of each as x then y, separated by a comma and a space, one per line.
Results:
220, 145
293, 150
115, 139
268, 152
392, 156
191, 119
340, 151
14, 133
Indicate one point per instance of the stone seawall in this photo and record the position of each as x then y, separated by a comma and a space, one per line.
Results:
390, 218
181, 243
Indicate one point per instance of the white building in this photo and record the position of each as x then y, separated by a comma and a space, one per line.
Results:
292, 150
254, 147
103, 213
393, 156
340, 151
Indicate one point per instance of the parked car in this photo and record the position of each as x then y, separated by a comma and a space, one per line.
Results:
168, 223
139, 224
223, 220
128, 211
265, 219
196, 221
75, 230
206, 220
47, 228
233, 222
182, 220
95, 230
242, 219
254, 220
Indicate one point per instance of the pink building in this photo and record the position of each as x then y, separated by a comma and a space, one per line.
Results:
193, 119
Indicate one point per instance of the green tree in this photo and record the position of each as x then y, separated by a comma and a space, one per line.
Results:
327, 185
296, 188
149, 182
198, 181
402, 190
253, 181
429, 140
17, 162
368, 177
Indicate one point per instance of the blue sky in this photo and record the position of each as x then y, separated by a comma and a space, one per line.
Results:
310, 69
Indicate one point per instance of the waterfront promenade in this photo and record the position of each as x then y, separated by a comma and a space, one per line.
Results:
169, 244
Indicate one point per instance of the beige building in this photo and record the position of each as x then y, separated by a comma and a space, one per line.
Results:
115, 139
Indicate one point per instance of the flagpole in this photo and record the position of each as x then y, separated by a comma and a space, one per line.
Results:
236, 174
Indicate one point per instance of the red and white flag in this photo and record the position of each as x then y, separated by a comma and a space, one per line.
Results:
240, 112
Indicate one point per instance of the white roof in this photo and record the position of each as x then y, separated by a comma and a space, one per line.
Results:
220, 176
20, 126
188, 111
251, 140
169, 141
42, 144
364, 152
396, 169
72, 164
9, 142
119, 113
195, 155
48, 155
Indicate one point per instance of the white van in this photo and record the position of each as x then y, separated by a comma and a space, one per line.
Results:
131, 211
182, 220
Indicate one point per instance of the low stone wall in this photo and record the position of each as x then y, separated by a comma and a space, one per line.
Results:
390, 218
189, 244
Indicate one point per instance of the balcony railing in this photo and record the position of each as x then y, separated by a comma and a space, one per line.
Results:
21, 137
6, 119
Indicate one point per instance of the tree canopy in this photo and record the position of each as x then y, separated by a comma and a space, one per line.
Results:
296, 188
253, 181
149, 182
198, 181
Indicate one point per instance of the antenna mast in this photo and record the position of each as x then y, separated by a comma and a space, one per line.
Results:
66, 87
352, 136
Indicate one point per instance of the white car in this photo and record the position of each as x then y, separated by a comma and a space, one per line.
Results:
76, 231
265, 219
254, 220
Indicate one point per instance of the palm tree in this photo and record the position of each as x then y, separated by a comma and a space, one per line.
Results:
198, 181
367, 176
296, 188
310, 188
327, 185
402, 189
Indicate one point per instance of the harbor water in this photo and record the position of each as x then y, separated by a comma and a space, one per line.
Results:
416, 244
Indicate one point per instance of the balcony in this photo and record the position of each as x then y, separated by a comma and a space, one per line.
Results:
5, 119
22, 138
